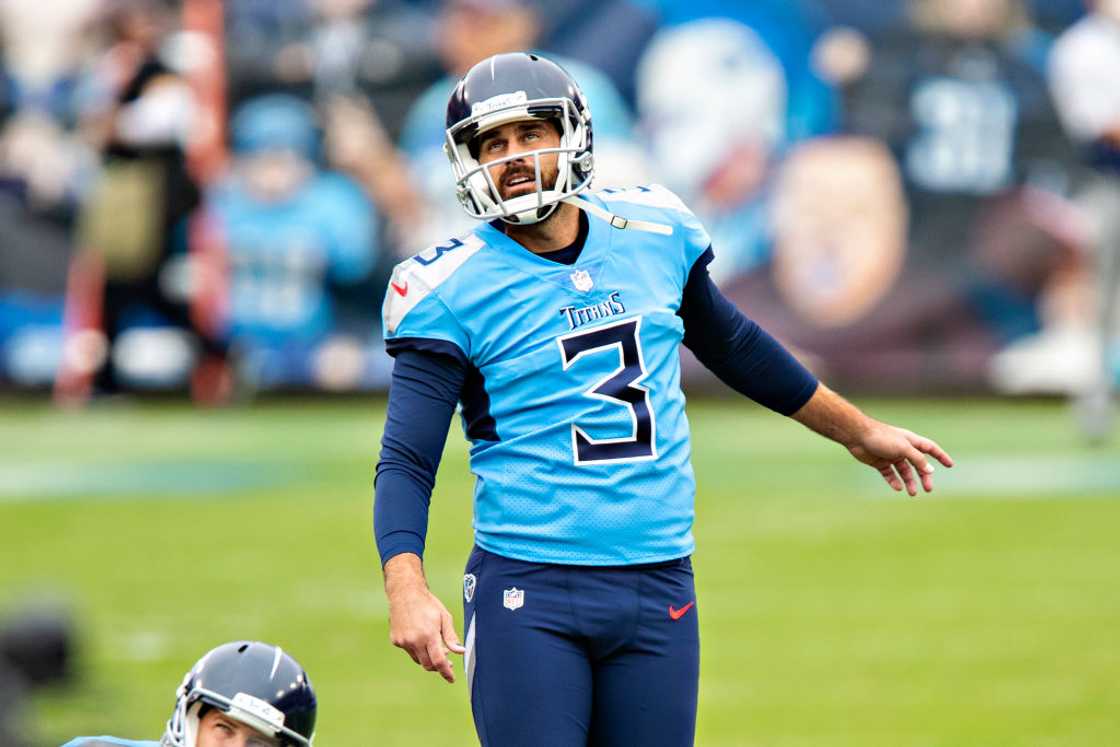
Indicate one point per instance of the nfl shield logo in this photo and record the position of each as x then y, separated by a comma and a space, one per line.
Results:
513, 598
582, 280
469, 582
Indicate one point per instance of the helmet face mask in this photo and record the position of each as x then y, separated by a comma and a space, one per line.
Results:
488, 97
253, 683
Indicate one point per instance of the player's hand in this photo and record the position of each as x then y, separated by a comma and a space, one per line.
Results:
900, 456
418, 622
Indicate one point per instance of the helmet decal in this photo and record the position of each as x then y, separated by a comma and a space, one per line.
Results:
500, 101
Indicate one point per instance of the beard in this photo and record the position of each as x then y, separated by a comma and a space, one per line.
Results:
549, 175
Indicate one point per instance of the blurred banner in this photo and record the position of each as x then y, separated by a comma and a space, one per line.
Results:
208, 197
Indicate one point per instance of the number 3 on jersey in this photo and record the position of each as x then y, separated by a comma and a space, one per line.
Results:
622, 387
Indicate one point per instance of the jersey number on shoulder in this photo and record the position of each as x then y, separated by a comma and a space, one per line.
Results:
432, 253
622, 386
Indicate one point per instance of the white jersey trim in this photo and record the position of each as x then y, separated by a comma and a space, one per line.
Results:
653, 195
416, 278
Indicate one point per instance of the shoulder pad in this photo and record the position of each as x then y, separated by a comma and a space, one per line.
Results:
415, 278
652, 195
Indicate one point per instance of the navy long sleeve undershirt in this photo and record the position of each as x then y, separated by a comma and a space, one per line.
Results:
422, 398
742, 354
426, 387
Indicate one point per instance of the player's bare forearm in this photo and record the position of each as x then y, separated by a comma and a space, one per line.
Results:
419, 623
403, 571
834, 417
899, 455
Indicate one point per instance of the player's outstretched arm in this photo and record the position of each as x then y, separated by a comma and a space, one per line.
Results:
418, 622
899, 455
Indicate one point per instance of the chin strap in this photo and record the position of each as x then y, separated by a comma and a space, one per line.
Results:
617, 221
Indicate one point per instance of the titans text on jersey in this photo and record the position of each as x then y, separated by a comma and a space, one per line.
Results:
577, 316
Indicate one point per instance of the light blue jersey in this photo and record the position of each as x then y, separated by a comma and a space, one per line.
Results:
573, 406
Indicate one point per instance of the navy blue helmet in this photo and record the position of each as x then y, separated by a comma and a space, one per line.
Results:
507, 88
254, 683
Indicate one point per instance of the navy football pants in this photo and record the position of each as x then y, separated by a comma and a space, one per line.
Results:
567, 656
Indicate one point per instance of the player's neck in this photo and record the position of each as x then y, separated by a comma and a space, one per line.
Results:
557, 231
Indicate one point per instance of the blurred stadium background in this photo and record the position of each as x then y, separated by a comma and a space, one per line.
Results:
200, 203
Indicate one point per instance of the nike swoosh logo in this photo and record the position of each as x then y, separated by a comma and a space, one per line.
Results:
401, 289
678, 614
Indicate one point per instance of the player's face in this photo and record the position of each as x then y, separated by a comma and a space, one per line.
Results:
518, 176
219, 730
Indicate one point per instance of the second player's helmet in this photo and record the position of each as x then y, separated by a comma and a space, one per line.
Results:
506, 88
254, 683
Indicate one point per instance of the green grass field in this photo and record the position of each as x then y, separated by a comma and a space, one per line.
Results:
834, 613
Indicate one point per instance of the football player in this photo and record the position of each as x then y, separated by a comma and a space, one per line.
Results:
556, 325
240, 694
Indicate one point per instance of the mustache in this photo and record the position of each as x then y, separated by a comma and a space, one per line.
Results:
516, 173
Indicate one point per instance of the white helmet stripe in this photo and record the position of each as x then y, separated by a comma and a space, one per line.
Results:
275, 662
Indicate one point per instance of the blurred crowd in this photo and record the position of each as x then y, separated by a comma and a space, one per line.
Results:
915, 195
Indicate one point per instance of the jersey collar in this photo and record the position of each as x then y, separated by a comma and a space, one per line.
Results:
595, 247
